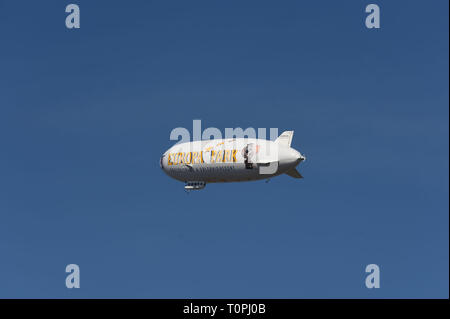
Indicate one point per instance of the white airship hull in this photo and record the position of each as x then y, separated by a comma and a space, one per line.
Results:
230, 160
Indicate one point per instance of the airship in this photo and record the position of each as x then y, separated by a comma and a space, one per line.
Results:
198, 163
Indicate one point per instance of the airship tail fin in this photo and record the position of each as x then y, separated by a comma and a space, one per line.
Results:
285, 139
294, 173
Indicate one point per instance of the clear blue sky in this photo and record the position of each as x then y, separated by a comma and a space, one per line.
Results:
85, 115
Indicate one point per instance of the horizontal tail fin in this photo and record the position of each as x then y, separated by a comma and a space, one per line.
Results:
294, 173
285, 139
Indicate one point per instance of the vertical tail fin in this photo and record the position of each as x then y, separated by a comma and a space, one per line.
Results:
285, 139
294, 173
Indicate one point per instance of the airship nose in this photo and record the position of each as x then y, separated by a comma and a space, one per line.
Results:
161, 162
